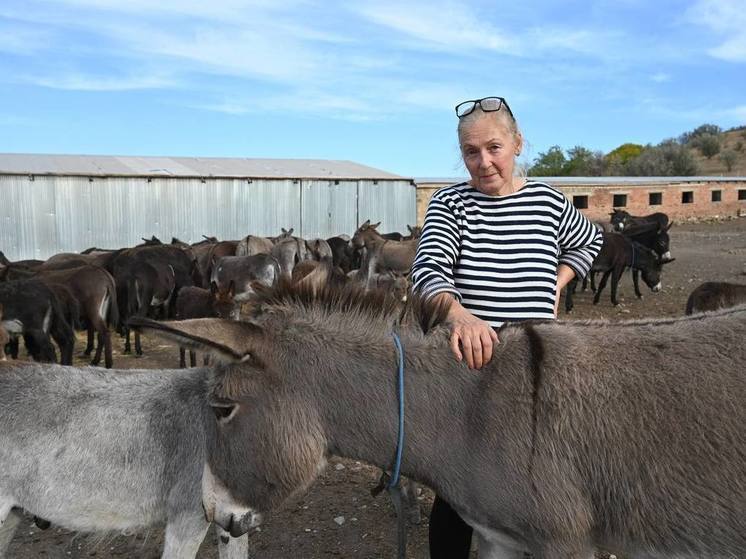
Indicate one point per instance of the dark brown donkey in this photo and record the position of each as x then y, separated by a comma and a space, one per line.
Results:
96, 294
627, 437
713, 295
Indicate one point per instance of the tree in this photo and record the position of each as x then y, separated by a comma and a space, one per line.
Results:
667, 159
708, 144
549, 164
625, 152
711, 129
583, 162
729, 158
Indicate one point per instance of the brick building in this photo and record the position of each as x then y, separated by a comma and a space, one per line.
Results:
679, 197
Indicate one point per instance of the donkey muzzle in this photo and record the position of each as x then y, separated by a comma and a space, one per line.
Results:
238, 525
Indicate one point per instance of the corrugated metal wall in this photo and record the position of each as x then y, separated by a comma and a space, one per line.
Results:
52, 214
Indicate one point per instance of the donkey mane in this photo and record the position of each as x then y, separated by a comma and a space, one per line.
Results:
351, 298
645, 321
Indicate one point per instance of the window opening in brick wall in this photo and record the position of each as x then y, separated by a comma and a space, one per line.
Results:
580, 201
717, 195
655, 199
742, 194
620, 201
687, 197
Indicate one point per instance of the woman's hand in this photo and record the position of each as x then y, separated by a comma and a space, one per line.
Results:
471, 337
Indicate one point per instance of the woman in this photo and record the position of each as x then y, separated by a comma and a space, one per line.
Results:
501, 248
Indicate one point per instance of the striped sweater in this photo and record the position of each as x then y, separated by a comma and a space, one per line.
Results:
499, 254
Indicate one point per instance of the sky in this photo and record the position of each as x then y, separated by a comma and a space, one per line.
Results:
371, 82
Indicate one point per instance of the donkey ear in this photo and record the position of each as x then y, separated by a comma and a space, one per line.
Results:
365, 225
228, 340
374, 225
667, 261
669, 226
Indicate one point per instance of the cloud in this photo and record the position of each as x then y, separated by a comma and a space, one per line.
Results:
445, 26
661, 77
726, 19
82, 82
21, 39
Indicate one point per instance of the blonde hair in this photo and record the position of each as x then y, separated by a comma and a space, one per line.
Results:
502, 118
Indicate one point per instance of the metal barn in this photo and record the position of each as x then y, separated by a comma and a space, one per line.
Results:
66, 203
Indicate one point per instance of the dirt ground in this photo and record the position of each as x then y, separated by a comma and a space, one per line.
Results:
338, 517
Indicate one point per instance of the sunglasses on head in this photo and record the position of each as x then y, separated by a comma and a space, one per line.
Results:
487, 104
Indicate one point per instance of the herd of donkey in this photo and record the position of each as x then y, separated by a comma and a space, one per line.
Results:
224, 444
103, 288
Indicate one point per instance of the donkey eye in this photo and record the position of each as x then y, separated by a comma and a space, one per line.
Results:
224, 412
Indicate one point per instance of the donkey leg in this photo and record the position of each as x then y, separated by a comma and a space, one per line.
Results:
616, 275
89, 344
127, 345
100, 346
229, 547
184, 535
491, 549
13, 345
636, 282
601, 286
409, 488
182, 357
108, 358
138, 345
9, 521
192, 358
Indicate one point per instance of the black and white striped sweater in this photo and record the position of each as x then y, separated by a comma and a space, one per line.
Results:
499, 254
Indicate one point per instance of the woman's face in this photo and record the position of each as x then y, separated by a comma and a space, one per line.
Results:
489, 148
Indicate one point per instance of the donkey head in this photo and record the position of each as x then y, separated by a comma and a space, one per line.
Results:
619, 219
224, 301
651, 267
365, 232
265, 443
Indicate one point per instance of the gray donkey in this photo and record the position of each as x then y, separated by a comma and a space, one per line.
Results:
626, 436
95, 450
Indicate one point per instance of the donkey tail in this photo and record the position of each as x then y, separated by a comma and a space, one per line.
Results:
112, 317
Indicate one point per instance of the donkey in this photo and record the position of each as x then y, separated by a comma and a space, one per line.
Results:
205, 260
384, 255
620, 220
617, 254
713, 295
244, 272
99, 450
32, 310
650, 235
561, 445
195, 302
251, 244
95, 291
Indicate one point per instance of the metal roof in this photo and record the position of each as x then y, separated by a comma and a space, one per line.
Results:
591, 180
204, 167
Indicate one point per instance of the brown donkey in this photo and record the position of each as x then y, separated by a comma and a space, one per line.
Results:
626, 436
387, 255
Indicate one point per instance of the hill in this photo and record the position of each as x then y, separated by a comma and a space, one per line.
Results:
731, 140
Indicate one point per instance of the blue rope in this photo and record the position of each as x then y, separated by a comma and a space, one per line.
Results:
395, 474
